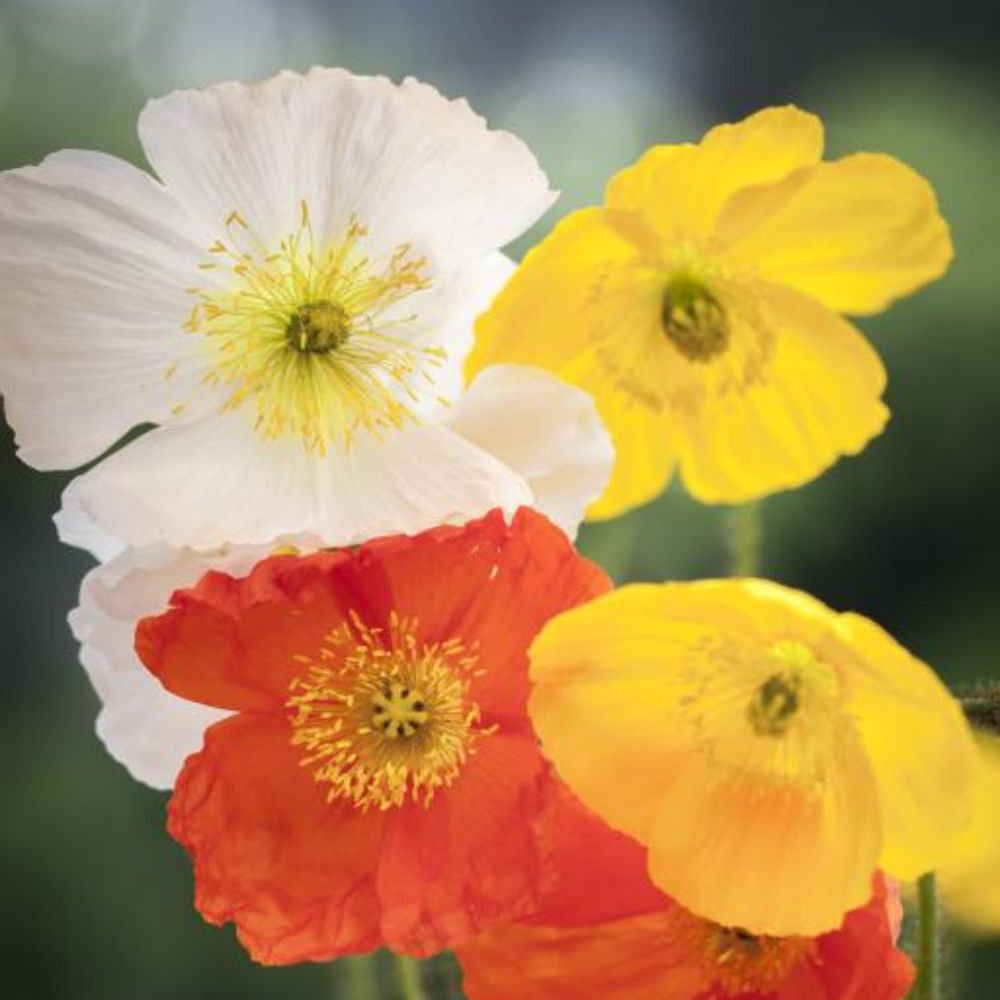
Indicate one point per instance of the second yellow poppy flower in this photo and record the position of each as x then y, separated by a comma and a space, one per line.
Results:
771, 753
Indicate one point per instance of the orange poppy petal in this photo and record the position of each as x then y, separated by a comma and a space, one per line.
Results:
495, 585
294, 872
600, 873
231, 642
538, 574
480, 851
674, 954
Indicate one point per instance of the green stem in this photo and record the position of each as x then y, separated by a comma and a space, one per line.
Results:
358, 972
408, 978
744, 533
929, 940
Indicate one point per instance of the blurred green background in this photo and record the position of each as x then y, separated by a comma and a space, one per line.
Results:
95, 900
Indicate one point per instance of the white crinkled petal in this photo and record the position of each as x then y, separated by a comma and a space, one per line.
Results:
215, 481
447, 319
413, 166
144, 727
544, 429
74, 527
95, 257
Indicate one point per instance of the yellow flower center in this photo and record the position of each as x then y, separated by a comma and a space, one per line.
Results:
800, 676
312, 337
693, 319
775, 704
769, 710
383, 717
678, 335
318, 327
398, 711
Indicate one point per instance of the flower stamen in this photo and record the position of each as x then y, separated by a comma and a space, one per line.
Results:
384, 717
312, 335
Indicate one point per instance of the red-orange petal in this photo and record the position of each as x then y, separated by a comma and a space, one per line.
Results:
493, 585
306, 879
650, 957
860, 961
601, 874
481, 851
232, 643
295, 873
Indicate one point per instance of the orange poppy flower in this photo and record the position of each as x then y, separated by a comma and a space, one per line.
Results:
604, 930
379, 782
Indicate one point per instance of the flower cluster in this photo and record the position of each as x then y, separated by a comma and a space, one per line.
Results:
337, 608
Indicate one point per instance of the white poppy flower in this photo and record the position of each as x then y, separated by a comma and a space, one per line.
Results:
290, 303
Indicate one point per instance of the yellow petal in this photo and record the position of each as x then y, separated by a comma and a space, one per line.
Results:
772, 860
856, 233
602, 701
920, 747
970, 877
542, 316
680, 189
816, 396
645, 454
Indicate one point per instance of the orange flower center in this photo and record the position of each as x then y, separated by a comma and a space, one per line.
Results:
750, 963
384, 717
735, 961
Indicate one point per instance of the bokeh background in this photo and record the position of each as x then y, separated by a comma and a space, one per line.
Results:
95, 900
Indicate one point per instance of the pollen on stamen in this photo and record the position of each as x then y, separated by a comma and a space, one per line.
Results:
383, 717
308, 335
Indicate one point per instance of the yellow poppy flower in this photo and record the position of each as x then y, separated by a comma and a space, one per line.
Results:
700, 306
970, 878
771, 753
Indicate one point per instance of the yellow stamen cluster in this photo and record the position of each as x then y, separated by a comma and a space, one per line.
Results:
309, 336
689, 341
383, 717
800, 677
